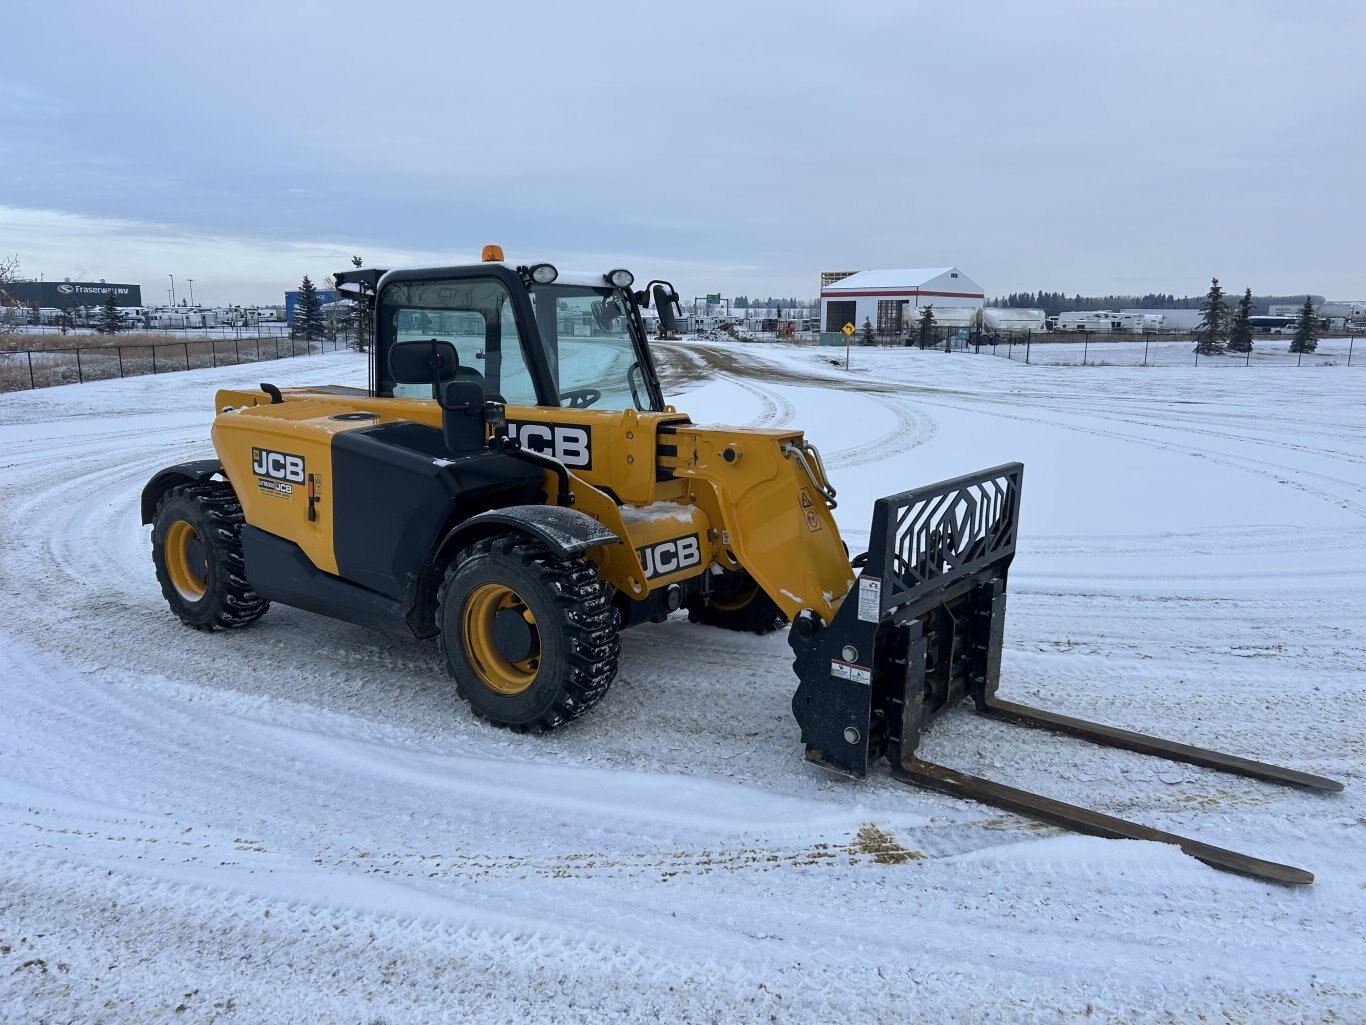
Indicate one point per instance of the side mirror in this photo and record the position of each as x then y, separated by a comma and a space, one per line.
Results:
429, 362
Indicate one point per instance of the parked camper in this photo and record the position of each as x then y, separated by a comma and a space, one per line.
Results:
1100, 320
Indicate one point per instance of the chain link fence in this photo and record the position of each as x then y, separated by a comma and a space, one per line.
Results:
1087, 349
23, 369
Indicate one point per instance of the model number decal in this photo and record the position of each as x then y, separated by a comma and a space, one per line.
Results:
571, 444
277, 465
670, 556
275, 488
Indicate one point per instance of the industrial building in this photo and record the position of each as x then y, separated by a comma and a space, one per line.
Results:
888, 299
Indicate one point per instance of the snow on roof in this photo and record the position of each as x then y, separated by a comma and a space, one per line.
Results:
888, 278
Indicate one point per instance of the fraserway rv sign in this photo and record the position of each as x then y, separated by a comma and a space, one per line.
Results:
54, 295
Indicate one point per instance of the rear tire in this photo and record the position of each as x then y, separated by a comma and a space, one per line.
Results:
736, 602
197, 552
529, 637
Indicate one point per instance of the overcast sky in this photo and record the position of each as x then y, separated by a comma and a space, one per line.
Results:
1084, 146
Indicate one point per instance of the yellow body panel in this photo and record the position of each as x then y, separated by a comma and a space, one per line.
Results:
772, 517
738, 491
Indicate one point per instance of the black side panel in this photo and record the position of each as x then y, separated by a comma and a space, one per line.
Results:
280, 571
397, 487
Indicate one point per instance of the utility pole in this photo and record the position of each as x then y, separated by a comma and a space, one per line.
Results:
191, 280
172, 277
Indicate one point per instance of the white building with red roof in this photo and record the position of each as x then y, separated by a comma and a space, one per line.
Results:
888, 299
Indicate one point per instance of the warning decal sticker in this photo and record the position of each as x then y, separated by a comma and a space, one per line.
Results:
869, 598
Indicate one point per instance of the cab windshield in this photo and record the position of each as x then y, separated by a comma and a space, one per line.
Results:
589, 346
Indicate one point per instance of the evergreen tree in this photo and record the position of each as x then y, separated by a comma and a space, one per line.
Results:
1306, 332
925, 326
1240, 331
360, 318
109, 320
308, 313
1214, 319
867, 336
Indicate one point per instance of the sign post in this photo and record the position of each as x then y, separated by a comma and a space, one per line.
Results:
848, 330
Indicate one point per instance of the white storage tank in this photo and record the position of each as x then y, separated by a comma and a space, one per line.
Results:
1007, 320
946, 316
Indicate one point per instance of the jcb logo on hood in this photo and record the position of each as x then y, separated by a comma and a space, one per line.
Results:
665, 557
277, 465
571, 444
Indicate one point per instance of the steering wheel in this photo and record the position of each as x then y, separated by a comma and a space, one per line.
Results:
581, 398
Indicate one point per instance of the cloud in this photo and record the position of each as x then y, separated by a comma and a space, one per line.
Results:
741, 148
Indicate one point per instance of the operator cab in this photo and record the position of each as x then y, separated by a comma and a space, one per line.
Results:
530, 336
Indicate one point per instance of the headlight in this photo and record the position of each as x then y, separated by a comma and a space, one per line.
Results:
620, 278
544, 273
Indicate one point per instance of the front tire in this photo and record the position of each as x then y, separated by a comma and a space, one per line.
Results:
528, 637
197, 552
736, 602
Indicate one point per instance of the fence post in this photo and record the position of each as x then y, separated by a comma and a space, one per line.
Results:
236, 353
213, 351
1085, 347
33, 385
187, 354
277, 348
119, 350
1029, 341
1010, 347
80, 374
154, 359
1145, 349
1351, 343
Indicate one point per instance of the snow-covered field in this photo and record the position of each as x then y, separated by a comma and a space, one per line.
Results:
298, 822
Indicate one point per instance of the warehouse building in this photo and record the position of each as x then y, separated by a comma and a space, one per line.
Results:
888, 299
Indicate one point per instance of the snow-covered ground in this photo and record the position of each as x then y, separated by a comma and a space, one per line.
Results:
299, 822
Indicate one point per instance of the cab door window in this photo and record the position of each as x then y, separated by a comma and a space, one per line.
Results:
474, 315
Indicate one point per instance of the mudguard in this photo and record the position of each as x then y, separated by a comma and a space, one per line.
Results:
566, 532
195, 472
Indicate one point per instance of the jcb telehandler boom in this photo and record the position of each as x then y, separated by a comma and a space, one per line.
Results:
513, 483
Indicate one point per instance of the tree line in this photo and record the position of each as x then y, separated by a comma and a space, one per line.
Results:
1055, 303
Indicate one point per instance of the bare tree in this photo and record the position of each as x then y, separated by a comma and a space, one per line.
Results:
10, 308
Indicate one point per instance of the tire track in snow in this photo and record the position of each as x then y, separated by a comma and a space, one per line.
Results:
911, 427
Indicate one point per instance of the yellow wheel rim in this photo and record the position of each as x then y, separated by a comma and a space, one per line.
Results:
496, 670
184, 553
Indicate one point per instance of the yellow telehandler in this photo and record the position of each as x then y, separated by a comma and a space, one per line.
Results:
513, 482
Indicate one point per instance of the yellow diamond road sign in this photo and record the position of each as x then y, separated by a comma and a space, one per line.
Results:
848, 329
